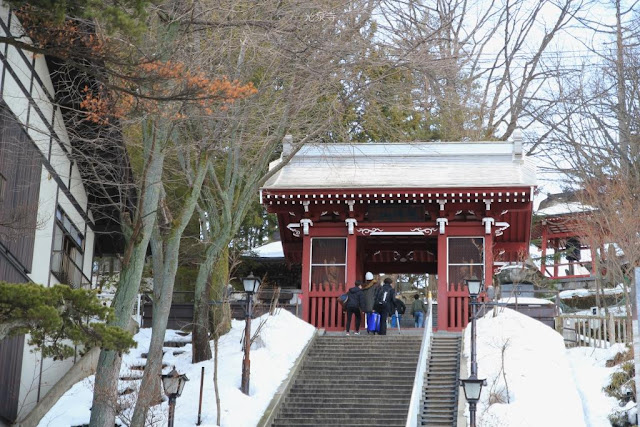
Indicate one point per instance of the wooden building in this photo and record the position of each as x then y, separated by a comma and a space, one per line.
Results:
559, 229
450, 209
48, 225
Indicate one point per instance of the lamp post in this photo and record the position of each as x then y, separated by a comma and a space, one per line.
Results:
173, 383
472, 387
475, 287
251, 285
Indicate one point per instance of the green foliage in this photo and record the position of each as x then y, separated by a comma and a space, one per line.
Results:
125, 15
57, 318
257, 227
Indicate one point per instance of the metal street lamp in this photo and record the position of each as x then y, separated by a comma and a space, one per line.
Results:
251, 285
472, 387
173, 383
475, 287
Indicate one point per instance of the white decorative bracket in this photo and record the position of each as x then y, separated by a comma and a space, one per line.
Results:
351, 203
351, 223
305, 203
488, 222
487, 203
442, 222
294, 227
441, 203
501, 226
305, 225
425, 231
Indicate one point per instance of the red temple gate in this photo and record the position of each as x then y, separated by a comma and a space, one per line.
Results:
339, 219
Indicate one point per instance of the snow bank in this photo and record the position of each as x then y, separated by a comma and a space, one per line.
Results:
539, 388
525, 300
282, 339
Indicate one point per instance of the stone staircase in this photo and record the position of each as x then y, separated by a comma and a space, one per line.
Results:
352, 380
440, 394
129, 380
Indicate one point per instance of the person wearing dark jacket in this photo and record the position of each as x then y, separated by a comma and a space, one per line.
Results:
354, 304
387, 306
399, 307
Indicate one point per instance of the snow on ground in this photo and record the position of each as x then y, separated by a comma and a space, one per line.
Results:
570, 293
525, 300
281, 341
591, 375
546, 384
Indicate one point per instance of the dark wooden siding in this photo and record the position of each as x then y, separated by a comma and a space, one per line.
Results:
21, 167
10, 352
10, 368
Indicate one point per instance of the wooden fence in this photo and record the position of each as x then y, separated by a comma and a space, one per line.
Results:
324, 311
458, 306
594, 331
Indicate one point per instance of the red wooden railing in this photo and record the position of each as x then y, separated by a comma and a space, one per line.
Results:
324, 310
458, 306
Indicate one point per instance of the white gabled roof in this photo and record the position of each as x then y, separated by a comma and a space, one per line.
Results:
406, 165
269, 250
565, 208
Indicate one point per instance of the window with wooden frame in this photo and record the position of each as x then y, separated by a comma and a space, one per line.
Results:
68, 252
328, 261
465, 259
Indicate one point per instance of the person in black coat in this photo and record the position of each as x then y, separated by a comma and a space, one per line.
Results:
400, 307
385, 308
354, 304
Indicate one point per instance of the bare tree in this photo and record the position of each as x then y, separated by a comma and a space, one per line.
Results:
479, 64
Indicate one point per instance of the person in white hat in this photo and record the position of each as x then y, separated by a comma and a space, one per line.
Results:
369, 291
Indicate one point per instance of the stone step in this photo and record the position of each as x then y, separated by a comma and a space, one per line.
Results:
360, 382
353, 381
335, 419
175, 343
440, 393
358, 376
401, 362
362, 357
333, 396
305, 422
333, 410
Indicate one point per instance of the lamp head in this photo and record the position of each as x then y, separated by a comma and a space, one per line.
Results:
173, 383
251, 284
474, 285
472, 387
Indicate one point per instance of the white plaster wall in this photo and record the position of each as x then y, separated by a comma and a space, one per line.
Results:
88, 255
30, 378
44, 234
78, 191
13, 95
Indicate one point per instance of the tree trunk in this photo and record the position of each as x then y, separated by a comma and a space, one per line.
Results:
220, 322
201, 350
163, 296
103, 410
215, 380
